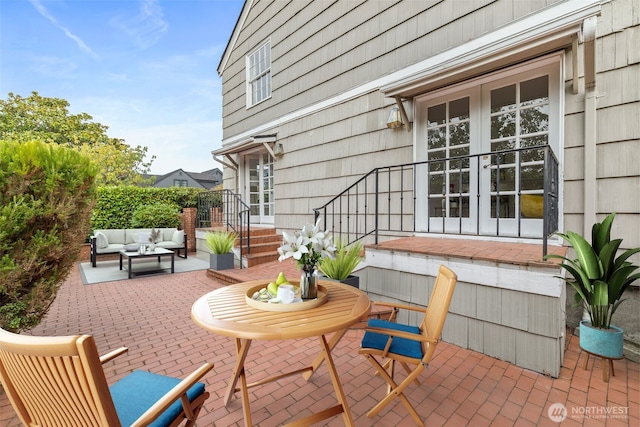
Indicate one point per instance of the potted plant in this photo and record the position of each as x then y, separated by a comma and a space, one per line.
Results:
154, 236
345, 260
599, 279
220, 244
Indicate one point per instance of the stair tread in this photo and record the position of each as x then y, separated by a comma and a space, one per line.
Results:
264, 243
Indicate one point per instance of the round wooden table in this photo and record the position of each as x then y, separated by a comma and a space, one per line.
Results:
225, 312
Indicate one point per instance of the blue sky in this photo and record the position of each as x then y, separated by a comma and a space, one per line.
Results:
145, 68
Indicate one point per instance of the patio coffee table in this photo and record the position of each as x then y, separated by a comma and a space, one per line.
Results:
225, 311
147, 267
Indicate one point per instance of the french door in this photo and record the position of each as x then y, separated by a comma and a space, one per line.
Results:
259, 187
519, 113
481, 177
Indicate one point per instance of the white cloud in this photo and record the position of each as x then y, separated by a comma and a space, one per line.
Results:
45, 13
147, 27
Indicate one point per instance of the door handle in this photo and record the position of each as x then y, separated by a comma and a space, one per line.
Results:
486, 165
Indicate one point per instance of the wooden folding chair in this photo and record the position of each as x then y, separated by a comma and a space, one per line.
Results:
408, 345
59, 381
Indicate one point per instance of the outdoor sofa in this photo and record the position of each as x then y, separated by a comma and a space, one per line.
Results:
112, 241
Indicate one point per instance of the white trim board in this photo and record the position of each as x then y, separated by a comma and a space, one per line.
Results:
532, 280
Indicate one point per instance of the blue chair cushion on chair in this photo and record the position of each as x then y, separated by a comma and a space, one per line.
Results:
400, 346
138, 391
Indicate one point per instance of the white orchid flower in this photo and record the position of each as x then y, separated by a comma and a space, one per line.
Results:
307, 246
293, 248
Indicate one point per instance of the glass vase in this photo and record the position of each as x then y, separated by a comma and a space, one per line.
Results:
309, 284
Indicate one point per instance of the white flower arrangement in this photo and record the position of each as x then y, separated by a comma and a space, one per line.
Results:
307, 246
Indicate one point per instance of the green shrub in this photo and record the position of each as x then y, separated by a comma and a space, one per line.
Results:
344, 262
158, 215
47, 193
220, 242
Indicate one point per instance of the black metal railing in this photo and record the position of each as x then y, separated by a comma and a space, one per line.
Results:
385, 199
225, 209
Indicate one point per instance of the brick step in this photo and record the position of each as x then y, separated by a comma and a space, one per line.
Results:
256, 258
258, 248
270, 238
259, 231
222, 277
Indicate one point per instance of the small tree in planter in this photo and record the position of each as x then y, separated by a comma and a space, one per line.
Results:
221, 243
599, 279
341, 266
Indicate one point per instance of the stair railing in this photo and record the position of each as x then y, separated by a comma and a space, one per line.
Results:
224, 208
384, 199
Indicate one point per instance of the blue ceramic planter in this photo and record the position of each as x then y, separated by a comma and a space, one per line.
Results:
602, 342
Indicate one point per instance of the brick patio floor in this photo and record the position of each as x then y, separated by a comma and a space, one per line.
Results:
151, 316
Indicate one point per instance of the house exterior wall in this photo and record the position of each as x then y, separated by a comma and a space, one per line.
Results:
514, 313
618, 128
323, 50
329, 111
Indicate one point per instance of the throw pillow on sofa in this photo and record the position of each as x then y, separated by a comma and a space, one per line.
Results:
178, 237
101, 240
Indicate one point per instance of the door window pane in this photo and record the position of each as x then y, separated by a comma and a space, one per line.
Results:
436, 138
534, 91
534, 119
503, 207
436, 115
503, 99
503, 125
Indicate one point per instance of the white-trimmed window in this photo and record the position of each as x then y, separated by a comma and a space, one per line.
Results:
259, 75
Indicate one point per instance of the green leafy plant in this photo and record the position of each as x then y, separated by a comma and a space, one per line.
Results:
598, 277
115, 206
220, 242
161, 215
346, 260
46, 196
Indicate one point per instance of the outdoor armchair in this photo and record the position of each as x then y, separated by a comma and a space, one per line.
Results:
60, 381
405, 344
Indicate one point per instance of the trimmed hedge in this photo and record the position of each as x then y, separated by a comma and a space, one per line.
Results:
157, 215
116, 206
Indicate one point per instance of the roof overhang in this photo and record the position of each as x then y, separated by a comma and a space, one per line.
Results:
225, 155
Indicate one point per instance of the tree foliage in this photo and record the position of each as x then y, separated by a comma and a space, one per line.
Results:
49, 120
47, 193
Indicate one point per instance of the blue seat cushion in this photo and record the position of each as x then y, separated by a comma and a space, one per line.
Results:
138, 391
402, 346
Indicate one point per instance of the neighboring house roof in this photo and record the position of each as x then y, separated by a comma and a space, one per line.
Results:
207, 179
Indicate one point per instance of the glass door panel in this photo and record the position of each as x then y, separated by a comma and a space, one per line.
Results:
517, 115
259, 170
448, 141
